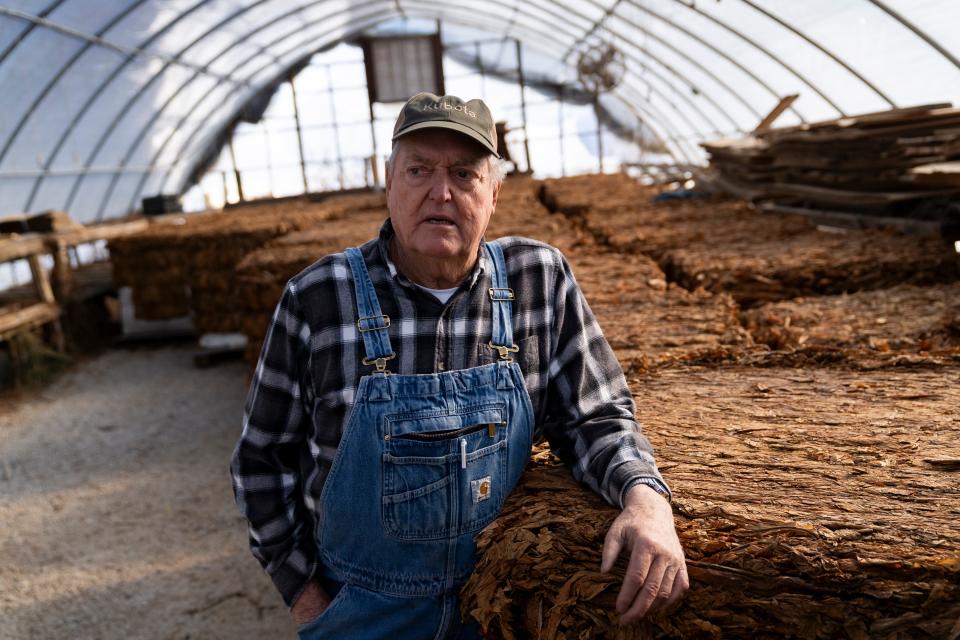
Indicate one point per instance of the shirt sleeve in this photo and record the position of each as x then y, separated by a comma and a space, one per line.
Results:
266, 462
590, 421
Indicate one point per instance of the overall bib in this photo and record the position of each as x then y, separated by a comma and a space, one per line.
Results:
425, 462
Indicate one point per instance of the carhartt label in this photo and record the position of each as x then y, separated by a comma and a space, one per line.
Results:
481, 489
446, 106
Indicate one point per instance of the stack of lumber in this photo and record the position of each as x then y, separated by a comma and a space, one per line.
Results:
902, 318
880, 162
810, 503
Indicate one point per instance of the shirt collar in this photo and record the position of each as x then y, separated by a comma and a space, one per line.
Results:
482, 264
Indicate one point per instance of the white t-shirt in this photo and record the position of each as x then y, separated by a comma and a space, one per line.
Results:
440, 294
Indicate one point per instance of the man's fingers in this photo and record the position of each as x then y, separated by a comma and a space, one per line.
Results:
680, 585
634, 579
669, 591
667, 585
645, 595
612, 546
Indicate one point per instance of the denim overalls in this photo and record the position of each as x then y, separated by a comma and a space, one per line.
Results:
425, 462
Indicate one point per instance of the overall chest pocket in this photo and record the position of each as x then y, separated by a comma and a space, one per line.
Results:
443, 476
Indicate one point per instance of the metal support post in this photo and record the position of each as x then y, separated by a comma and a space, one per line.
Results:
523, 105
336, 130
296, 122
236, 170
560, 133
596, 113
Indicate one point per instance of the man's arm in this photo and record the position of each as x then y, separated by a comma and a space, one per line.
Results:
589, 417
266, 461
591, 426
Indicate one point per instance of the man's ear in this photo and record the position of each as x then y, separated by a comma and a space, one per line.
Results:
496, 192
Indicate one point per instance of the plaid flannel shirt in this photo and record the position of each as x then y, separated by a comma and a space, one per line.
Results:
310, 368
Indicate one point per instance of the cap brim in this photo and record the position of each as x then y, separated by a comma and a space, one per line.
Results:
453, 126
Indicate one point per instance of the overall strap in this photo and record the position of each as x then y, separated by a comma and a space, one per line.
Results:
371, 322
502, 297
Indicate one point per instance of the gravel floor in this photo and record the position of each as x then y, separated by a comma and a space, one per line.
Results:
116, 514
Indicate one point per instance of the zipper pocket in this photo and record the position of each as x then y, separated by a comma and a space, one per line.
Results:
449, 434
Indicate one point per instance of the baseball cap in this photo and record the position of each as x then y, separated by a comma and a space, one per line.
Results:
427, 110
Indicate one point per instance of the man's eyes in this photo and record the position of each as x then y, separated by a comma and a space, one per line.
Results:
459, 173
464, 174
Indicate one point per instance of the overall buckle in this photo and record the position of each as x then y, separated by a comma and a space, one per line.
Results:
380, 363
501, 294
504, 350
385, 318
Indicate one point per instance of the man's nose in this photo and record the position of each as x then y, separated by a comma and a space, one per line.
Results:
440, 186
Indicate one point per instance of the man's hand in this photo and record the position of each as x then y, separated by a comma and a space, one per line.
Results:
656, 576
312, 602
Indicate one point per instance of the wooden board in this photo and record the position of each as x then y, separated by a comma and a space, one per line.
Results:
31, 316
893, 161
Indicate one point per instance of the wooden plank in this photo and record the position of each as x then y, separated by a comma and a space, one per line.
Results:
13, 223
904, 113
21, 246
847, 220
40, 279
45, 292
107, 231
62, 272
851, 133
32, 316
746, 146
51, 221
824, 195
770, 118
944, 174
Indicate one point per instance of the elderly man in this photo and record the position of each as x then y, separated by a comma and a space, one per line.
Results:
399, 392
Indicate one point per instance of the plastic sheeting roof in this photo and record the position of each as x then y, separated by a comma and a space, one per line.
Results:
103, 103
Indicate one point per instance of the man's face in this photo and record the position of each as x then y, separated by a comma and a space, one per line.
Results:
440, 195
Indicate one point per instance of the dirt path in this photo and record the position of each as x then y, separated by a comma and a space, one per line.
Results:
116, 514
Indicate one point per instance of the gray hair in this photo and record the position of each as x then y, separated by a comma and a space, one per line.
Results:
496, 171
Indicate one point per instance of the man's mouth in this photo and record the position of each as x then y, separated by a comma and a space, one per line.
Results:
439, 220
